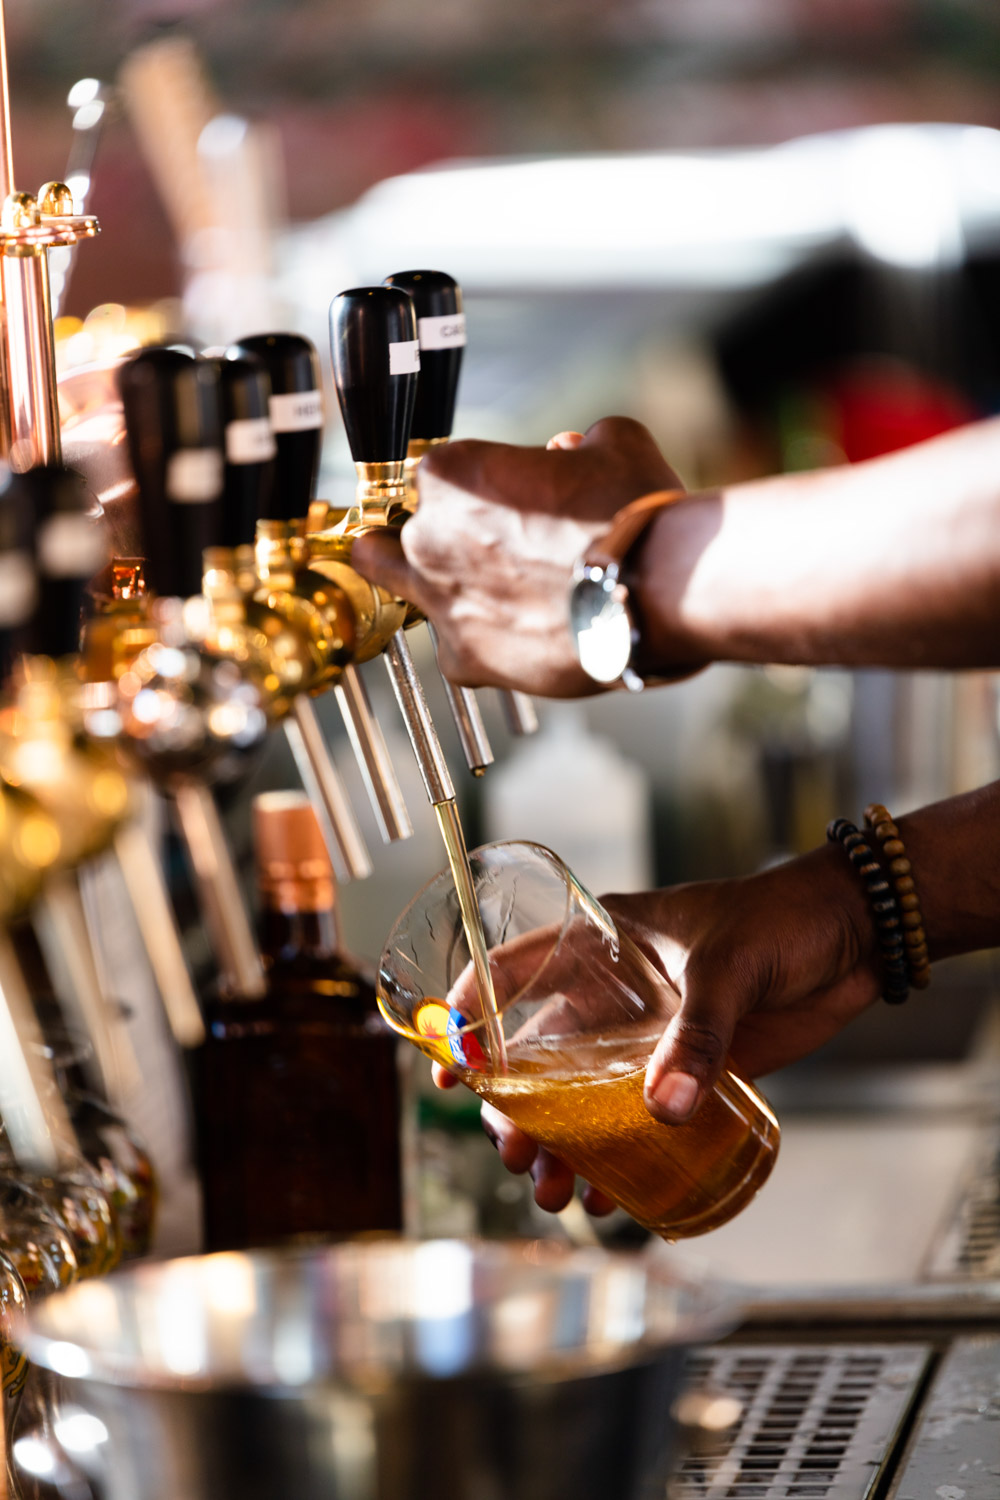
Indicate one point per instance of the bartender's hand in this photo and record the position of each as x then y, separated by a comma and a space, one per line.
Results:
768, 969
489, 554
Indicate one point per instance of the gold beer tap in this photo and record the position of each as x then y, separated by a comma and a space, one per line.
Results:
186, 714
376, 360
437, 303
291, 645
441, 332
267, 470
44, 750
296, 408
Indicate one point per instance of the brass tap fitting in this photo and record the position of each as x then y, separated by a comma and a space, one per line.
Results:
78, 782
380, 501
121, 625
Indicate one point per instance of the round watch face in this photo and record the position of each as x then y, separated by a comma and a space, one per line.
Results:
601, 625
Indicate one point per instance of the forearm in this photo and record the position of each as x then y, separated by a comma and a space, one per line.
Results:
895, 562
954, 847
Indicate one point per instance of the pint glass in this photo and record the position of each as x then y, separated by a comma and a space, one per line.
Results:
562, 1044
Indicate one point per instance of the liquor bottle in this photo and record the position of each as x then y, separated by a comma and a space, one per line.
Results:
298, 1090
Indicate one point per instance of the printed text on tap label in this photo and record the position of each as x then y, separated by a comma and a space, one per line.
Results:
194, 475
446, 332
297, 411
18, 588
250, 440
71, 546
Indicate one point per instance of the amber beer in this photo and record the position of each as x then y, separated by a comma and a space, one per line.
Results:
585, 1104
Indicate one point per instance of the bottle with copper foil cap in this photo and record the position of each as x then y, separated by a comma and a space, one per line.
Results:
298, 1091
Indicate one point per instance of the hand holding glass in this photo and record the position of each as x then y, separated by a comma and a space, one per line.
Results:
579, 1009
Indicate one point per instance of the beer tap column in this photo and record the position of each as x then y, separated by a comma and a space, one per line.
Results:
29, 227
297, 419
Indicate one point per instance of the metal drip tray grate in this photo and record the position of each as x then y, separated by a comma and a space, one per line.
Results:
969, 1246
817, 1424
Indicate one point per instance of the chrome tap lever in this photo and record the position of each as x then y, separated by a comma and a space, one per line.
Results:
519, 712
218, 884
69, 954
31, 1106
154, 916
468, 719
326, 792
365, 734
409, 693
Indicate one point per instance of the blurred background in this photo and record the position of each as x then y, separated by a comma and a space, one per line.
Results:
768, 228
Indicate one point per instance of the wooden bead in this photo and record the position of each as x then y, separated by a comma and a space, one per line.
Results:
893, 848
867, 871
912, 919
900, 866
905, 885
886, 830
876, 813
915, 936
910, 902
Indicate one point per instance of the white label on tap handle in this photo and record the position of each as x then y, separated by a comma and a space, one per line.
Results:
194, 475
250, 440
71, 546
446, 332
298, 411
18, 588
404, 359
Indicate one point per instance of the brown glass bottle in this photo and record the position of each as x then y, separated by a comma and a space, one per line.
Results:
298, 1092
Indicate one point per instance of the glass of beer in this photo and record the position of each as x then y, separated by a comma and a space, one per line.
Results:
561, 1043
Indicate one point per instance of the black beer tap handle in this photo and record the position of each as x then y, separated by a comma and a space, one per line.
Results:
70, 546
437, 301
296, 410
248, 445
376, 361
173, 420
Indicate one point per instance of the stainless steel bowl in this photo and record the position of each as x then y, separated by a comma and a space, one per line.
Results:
386, 1370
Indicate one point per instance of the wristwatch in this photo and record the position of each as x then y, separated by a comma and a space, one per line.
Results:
602, 620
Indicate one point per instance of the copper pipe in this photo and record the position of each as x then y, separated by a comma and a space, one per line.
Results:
6, 152
34, 408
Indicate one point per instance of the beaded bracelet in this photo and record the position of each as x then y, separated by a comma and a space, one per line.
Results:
884, 908
879, 822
